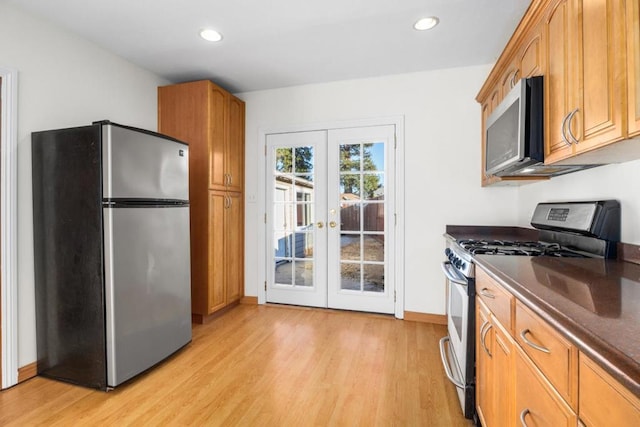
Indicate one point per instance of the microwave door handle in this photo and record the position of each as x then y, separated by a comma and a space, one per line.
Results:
563, 130
446, 268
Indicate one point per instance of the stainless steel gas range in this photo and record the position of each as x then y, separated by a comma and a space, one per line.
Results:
570, 229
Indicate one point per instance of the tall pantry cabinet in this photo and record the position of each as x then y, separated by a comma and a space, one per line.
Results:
211, 121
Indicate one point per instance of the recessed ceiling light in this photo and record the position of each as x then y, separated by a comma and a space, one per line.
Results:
211, 35
426, 23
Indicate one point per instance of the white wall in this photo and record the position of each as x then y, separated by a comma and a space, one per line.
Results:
618, 181
63, 81
442, 167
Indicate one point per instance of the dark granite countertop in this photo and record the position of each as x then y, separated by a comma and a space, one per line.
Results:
594, 302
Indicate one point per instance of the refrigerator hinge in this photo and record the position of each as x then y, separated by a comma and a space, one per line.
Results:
265, 218
265, 150
265, 285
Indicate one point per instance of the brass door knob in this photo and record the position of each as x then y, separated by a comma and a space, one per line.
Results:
320, 224
333, 224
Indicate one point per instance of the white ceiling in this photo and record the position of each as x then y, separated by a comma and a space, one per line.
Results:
277, 43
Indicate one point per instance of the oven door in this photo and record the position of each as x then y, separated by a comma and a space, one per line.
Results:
455, 348
457, 314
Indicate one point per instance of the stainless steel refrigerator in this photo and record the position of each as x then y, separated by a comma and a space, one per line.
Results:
111, 247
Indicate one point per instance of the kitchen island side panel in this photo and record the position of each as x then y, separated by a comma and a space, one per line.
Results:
68, 245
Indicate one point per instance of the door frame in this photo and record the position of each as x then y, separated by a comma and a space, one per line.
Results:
398, 122
9, 226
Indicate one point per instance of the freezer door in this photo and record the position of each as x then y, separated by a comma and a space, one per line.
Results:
139, 165
148, 288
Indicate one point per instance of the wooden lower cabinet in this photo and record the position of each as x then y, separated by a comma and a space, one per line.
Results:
532, 375
603, 400
537, 402
226, 246
494, 367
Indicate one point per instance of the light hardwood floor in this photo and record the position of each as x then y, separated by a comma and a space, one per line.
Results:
268, 366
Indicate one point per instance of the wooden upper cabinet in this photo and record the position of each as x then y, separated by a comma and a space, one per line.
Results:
584, 88
217, 142
226, 150
633, 65
234, 159
530, 56
557, 94
509, 79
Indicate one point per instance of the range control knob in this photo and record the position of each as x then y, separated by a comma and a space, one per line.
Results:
462, 265
447, 252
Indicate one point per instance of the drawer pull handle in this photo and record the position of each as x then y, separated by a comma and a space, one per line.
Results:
523, 414
484, 292
483, 336
532, 344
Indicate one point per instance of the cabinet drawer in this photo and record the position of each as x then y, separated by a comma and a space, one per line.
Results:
552, 354
537, 403
598, 390
498, 300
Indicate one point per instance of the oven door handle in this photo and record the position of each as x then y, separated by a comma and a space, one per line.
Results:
446, 268
445, 363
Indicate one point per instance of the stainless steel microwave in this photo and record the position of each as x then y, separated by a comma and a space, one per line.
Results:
514, 134
515, 129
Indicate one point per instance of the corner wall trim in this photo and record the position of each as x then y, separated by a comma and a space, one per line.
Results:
9, 227
436, 319
249, 300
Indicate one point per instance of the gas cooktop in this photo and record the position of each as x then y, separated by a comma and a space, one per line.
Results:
524, 248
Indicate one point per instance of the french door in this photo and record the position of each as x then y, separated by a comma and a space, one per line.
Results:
329, 218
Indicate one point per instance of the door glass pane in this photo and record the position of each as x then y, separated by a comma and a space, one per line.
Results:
350, 217
350, 187
373, 185
349, 157
283, 244
373, 247
303, 167
283, 160
350, 247
303, 245
283, 272
304, 273
350, 276
373, 155
283, 217
373, 217
373, 277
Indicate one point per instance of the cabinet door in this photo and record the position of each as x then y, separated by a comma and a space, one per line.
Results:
502, 381
633, 65
217, 262
217, 138
509, 79
537, 404
484, 398
234, 156
599, 390
531, 54
234, 247
558, 57
600, 74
